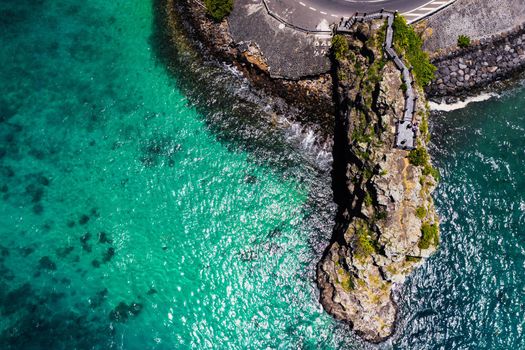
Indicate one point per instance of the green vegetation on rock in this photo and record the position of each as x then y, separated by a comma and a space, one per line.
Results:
340, 47
410, 258
368, 199
345, 280
408, 42
218, 9
463, 41
418, 157
423, 126
364, 243
430, 170
429, 236
421, 212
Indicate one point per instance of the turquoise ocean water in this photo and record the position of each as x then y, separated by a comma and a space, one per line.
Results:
141, 211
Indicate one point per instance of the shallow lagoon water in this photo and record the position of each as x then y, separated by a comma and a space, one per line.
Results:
134, 219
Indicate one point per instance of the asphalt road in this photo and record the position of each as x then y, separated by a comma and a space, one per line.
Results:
318, 14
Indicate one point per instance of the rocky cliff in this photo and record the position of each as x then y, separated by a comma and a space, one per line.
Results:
386, 222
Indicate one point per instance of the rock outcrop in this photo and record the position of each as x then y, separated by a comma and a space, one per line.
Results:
386, 222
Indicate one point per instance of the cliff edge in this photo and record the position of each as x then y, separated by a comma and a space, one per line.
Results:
386, 224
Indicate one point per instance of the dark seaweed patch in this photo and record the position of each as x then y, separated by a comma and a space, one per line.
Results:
95, 263
83, 219
85, 237
108, 255
44, 181
35, 192
37, 153
4, 252
45, 263
70, 223
42, 327
84, 242
151, 291
94, 212
5, 273
7, 111
15, 299
99, 298
6, 171
103, 238
25, 251
4, 189
123, 311
160, 151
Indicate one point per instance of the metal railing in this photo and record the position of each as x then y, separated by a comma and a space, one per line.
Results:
406, 130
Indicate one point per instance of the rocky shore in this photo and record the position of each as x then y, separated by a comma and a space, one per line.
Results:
309, 96
386, 225
463, 71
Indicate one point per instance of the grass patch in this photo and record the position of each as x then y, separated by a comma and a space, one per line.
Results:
380, 215
218, 9
418, 157
463, 41
429, 236
340, 47
364, 244
407, 41
345, 280
423, 127
421, 212
368, 199
430, 170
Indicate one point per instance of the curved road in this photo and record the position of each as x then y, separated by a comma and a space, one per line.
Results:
318, 14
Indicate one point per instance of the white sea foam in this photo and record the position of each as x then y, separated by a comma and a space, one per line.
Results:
461, 104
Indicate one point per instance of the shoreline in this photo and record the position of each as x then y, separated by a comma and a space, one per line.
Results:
248, 59
311, 96
443, 106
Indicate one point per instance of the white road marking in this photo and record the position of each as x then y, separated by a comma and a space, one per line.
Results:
324, 13
426, 9
311, 8
302, 3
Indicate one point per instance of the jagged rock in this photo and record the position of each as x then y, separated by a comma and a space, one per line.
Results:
379, 244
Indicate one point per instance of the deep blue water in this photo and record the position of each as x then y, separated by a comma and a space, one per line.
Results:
146, 210
471, 294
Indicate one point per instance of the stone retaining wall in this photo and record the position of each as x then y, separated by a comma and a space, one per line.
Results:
471, 69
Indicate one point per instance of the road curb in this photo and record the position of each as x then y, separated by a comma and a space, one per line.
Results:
293, 26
